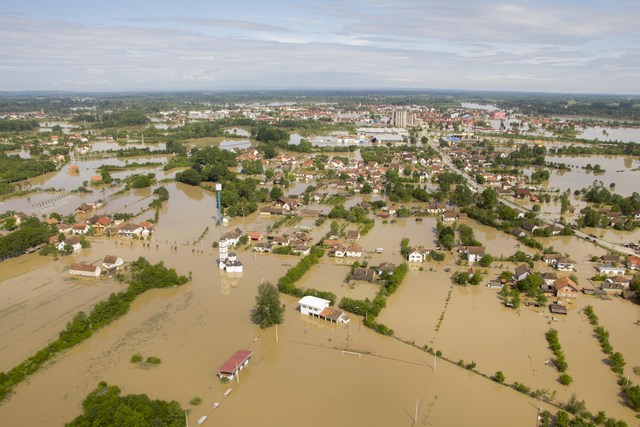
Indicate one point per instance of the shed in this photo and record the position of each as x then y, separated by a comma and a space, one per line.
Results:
557, 309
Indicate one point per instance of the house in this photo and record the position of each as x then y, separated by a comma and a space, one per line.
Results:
610, 259
235, 364
262, 247
80, 228
233, 236
518, 232
633, 262
64, 228
566, 288
436, 207
448, 216
385, 267
521, 272
84, 209
474, 253
85, 270
99, 222
112, 262
522, 193
338, 251
353, 235
72, 241
363, 274
616, 283
418, 254
318, 307
564, 264
530, 227
130, 230
610, 270
313, 306
354, 251
551, 259
549, 278
283, 240
300, 249
255, 236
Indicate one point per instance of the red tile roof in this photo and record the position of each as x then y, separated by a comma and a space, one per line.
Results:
234, 361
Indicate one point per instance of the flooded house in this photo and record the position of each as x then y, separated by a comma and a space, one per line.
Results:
87, 270
72, 241
235, 364
611, 270
319, 307
566, 288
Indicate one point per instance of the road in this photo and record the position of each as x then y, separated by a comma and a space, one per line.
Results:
471, 182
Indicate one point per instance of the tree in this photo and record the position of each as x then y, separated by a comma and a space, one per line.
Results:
268, 310
499, 377
275, 193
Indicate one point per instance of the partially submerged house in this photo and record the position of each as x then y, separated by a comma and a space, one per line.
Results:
236, 363
319, 307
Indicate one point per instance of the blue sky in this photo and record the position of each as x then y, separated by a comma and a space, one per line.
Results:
590, 46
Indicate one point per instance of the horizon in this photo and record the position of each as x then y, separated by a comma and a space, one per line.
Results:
487, 45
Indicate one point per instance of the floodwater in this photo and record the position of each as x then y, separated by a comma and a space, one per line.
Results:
39, 298
620, 171
196, 327
114, 146
331, 274
611, 134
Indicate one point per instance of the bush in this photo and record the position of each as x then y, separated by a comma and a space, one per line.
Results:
499, 377
565, 379
196, 401
136, 358
152, 360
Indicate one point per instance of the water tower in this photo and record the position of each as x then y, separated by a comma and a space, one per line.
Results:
219, 189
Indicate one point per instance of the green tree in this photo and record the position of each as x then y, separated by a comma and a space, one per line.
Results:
275, 193
499, 377
268, 310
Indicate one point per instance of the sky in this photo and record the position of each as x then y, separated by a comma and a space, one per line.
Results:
568, 46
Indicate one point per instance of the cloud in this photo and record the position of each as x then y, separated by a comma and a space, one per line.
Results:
428, 44
212, 22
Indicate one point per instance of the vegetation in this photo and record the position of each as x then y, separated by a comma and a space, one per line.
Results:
30, 234
153, 360
554, 344
105, 407
136, 358
287, 283
268, 310
144, 276
14, 168
370, 309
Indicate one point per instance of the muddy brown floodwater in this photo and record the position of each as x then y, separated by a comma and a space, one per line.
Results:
317, 372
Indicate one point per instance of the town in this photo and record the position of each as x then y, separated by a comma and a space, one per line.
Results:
498, 243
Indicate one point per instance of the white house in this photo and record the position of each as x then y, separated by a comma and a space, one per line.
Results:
521, 272
311, 305
354, 251
130, 230
80, 228
73, 241
564, 264
111, 262
418, 254
85, 270
318, 307
611, 270
474, 253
